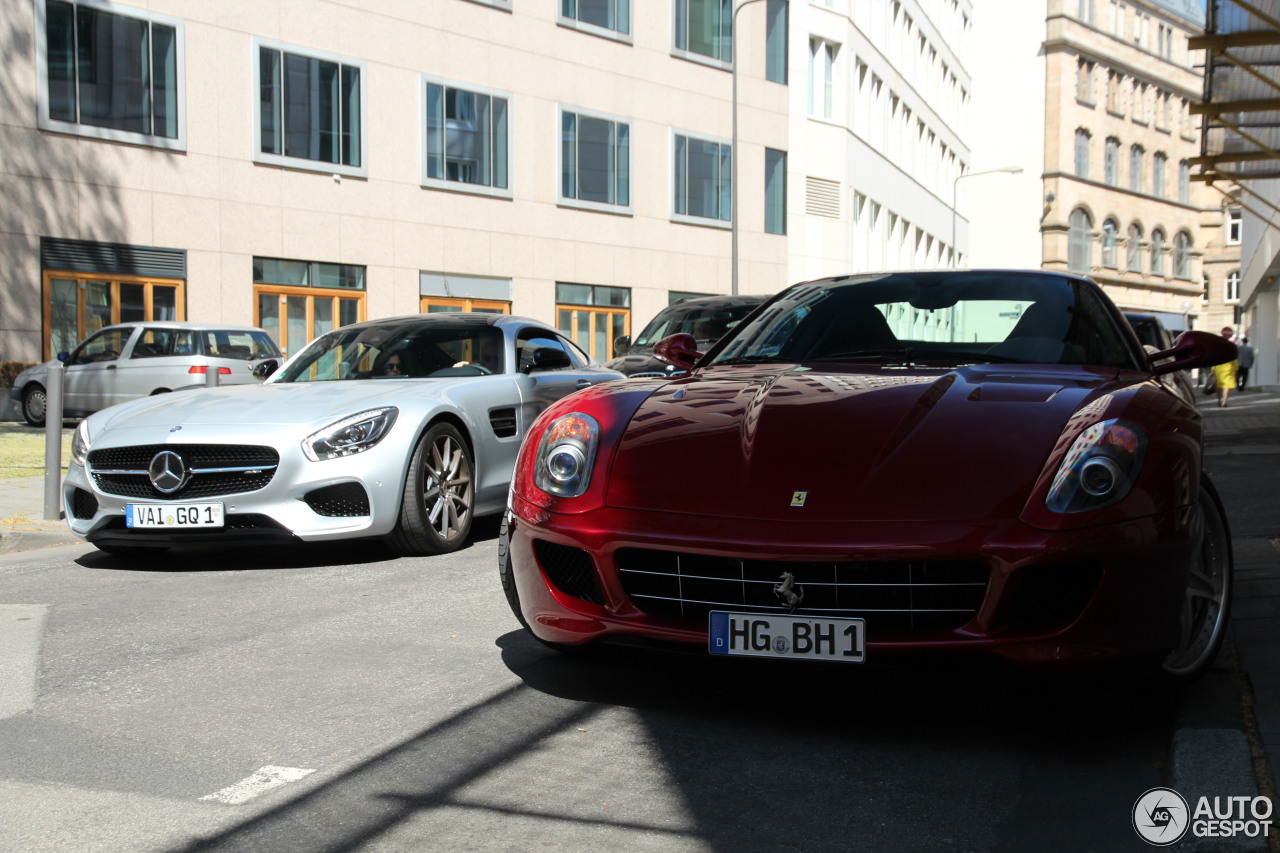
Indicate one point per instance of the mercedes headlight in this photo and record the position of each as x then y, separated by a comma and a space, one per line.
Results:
349, 436
80, 445
1100, 468
566, 455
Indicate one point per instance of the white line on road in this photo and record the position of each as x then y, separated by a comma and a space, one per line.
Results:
21, 632
259, 783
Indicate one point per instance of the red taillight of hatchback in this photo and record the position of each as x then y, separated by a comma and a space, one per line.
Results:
202, 369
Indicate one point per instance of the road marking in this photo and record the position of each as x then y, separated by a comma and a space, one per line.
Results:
259, 783
21, 631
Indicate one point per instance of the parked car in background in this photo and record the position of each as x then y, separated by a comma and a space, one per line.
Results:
131, 360
405, 428
707, 318
943, 463
1156, 338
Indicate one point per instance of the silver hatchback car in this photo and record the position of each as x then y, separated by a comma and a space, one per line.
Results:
131, 360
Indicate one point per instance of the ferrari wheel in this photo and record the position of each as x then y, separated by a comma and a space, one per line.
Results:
1206, 602
437, 505
33, 405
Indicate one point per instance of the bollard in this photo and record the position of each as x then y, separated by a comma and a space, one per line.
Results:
210, 376
53, 443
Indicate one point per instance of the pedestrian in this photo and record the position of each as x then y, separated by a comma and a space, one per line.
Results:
1245, 360
1225, 374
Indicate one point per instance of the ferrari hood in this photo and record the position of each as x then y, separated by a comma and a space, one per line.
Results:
267, 405
793, 444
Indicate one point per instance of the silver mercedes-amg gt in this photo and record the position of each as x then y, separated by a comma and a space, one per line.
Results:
404, 428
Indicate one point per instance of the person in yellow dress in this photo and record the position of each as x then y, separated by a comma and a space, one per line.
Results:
1225, 374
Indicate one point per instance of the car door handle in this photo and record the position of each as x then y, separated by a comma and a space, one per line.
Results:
584, 383
111, 367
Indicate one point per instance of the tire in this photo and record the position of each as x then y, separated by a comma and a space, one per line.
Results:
504, 573
1206, 604
33, 405
437, 506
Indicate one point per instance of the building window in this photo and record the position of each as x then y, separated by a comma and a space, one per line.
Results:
111, 73
1235, 227
1204, 288
1157, 252
1080, 249
1158, 163
79, 304
451, 292
1231, 290
1184, 182
1110, 240
310, 109
1113, 161
1136, 154
595, 161
775, 191
1086, 11
1114, 80
593, 316
296, 301
703, 177
1140, 103
1182, 255
610, 17
775, 45
822, 63
467, 138
1133, 248
1084, 81
1082, 153
704, 28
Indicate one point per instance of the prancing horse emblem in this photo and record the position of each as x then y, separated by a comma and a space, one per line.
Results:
789, 592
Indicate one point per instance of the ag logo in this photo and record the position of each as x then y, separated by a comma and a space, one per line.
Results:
1160, 817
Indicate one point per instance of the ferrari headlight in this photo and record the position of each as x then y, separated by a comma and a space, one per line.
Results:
1100, 468
80, 444
349, 436
566, 455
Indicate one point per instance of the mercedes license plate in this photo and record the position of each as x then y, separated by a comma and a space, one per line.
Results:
173, 515
797, 637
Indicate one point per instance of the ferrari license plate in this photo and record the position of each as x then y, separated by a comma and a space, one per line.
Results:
173, 515
795, 637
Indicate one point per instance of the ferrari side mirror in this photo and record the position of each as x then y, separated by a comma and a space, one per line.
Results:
680, 349
1193, 349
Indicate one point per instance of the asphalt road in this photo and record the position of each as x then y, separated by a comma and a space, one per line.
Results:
338, 699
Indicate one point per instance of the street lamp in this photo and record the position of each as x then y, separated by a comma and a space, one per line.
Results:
955, 250
733, 149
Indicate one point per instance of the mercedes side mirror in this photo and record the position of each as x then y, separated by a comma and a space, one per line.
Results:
549, 358
263, 369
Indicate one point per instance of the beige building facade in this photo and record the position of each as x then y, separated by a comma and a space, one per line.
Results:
299, 164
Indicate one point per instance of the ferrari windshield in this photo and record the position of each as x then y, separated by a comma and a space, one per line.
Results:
937, 318
401, 351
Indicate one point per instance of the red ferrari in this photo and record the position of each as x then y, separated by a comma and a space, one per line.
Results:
977, 462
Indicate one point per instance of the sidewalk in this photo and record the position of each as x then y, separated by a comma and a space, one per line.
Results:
1242, 456
22, 522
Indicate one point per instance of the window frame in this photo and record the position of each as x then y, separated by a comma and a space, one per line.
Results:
1110, 243
1231, 288
575, 23
588, 204
44, 119
1182, 256
113, 281
1235, 227
720, 61
425, 180
1080, 242
724, 221
256, 46
1083, 142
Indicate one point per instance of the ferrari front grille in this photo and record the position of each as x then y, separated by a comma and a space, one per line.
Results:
894, 597
215, 470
